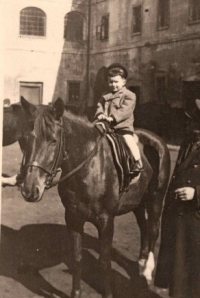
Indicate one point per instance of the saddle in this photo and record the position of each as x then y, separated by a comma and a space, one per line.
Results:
121, 153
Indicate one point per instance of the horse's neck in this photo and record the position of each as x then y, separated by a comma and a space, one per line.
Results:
80, 140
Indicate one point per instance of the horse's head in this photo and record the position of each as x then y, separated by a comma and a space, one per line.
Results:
16, 123
43, 154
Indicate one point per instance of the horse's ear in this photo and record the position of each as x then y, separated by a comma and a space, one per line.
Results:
58, 108
27, 106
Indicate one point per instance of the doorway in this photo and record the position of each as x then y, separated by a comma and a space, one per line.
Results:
32, 91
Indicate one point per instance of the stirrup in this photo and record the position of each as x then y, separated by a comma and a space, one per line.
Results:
134, 174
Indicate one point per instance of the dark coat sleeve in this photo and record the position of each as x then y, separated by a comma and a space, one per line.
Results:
100, 107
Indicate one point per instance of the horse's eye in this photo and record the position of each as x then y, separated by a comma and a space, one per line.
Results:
54, 141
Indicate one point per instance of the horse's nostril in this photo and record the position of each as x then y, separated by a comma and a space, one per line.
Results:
25, 193
37, 192
30, 196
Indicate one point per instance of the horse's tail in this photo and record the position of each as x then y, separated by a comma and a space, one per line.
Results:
148, 138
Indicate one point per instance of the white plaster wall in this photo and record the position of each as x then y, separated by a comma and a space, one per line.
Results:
32, 58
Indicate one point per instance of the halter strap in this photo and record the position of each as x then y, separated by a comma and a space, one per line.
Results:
37, 165
52, 171
65, 177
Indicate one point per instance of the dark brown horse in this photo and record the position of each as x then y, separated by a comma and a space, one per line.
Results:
89, 186
16, 124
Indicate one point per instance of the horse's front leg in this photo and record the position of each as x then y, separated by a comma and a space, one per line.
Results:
106, 230
75, 229
148, 219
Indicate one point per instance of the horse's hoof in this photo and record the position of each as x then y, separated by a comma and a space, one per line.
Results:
148, 276
76, 294
149, 267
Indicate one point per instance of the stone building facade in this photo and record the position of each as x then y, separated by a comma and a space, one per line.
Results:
157, 40
159, 43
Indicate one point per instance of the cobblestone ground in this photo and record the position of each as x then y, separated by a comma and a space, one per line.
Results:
35, 258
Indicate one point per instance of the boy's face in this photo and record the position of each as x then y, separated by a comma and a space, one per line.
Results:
116, 83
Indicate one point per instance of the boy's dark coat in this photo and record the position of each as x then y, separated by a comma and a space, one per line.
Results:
121, 106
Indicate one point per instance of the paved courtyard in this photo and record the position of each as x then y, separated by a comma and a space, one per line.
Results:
35, 258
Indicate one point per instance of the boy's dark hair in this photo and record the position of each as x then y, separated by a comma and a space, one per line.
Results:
117, 69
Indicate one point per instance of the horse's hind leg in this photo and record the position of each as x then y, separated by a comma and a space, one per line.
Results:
140, 214
106, 230
154, 210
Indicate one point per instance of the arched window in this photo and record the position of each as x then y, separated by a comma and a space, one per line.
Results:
73, 26
32, 21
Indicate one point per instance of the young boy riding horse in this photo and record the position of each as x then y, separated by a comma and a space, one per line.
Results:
117, 107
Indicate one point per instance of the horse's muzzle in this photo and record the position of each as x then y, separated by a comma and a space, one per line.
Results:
31, 195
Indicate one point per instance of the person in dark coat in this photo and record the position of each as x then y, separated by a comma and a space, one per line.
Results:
178, 265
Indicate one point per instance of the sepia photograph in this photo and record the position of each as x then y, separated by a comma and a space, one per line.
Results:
100, 155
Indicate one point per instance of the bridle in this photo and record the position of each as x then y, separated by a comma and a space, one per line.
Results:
60, 156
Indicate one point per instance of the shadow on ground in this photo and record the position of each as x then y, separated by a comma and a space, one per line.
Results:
26, 251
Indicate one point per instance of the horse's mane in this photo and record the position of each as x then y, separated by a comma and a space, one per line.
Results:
79, 119
45, 123
80, 124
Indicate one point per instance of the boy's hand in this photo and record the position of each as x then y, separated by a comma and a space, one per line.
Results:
101, 117
104, 117
109, 119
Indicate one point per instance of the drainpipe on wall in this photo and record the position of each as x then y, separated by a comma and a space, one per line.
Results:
88, 57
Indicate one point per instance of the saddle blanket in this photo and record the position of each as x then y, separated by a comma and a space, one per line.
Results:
122, 156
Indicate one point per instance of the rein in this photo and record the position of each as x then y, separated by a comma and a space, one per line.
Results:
76, 169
